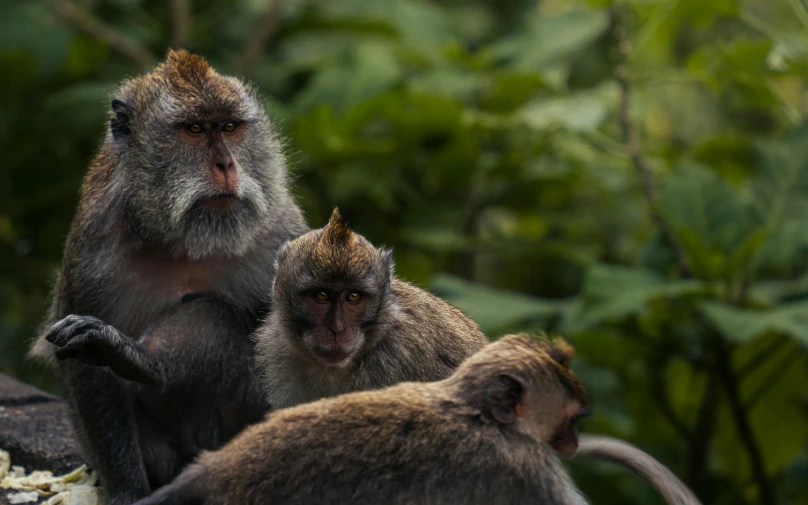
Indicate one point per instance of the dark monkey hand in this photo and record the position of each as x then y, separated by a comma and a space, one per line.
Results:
94, 342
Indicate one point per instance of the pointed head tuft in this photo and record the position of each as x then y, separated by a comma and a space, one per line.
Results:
337, 232
187, 73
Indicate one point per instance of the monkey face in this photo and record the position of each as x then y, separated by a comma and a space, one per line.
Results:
330, 286
199, 151
526, 384
552, 413
333, 317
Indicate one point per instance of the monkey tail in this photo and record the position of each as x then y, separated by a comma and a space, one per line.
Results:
673, 490
186, 489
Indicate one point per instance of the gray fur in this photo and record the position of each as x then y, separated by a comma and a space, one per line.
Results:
152, 375
410, 334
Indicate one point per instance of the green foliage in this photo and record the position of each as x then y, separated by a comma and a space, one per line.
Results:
482, 142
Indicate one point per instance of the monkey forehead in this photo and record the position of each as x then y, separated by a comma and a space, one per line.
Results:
186, 88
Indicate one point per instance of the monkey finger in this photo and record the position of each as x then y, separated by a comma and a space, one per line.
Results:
82, 348
64, 330
61, 332
86, 355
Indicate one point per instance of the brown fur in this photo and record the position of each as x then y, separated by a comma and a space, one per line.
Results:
405, 333
338, 251
414, 443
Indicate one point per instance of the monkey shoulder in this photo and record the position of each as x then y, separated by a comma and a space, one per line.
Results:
436, 319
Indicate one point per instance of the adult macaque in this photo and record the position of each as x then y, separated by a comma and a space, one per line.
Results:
164, 270
342, 322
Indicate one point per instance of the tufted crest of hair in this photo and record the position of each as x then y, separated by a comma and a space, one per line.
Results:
532, 360
185, 84
334, 253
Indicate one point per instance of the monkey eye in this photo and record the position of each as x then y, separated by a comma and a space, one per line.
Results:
194, 128
321, 296
229, 127
353, 297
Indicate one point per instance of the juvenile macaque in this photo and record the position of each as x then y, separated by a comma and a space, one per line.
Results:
164, 272
487, 435
342, 322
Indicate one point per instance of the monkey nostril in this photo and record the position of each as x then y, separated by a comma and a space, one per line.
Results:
225, 165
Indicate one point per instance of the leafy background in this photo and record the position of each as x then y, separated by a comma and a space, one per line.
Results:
632, 175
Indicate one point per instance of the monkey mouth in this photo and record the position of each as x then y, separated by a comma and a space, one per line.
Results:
333, 356
222, 201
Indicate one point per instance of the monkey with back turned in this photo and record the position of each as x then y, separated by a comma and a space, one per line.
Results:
486, 435
164, 270
489, 434
342, 322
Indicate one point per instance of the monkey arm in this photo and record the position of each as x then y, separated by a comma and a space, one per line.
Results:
101, 412
167, 354
92, 341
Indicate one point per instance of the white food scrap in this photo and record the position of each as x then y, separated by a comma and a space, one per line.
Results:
75, 488
5, 463
23, 497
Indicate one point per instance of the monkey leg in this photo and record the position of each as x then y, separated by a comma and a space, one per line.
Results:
102, 415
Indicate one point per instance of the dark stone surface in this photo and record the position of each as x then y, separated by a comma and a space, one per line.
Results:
14, 392
35, 429
40, 437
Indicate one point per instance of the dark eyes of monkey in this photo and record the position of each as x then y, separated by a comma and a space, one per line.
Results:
197, 128
322, 296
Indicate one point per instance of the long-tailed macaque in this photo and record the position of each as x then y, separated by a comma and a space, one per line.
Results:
164, 272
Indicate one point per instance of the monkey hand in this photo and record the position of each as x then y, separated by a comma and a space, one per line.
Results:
94, 342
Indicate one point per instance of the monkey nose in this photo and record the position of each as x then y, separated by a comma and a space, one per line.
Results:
225, 175
225, 164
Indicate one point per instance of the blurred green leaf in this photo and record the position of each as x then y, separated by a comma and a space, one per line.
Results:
742, 325
548, 40
613, 292
580, 112
367, 69
493, 309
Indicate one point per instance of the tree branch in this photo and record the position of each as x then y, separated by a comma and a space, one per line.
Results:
773, 378
695, 474
95, 27
777, 343
659, 393
255, 44
724, 368
180, 23
633, 148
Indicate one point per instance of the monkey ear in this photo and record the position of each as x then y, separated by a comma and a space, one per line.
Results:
279, 257
387, 258
506, 395
120, 124
561, 352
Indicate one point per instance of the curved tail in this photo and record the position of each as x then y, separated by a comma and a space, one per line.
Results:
186, 489
673, 490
